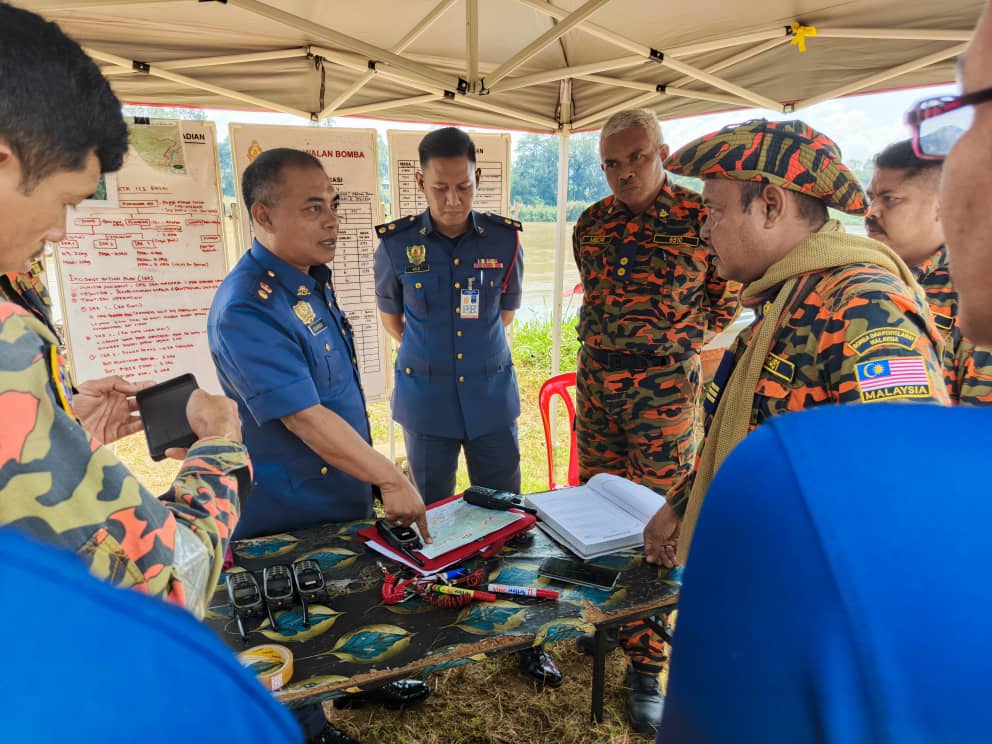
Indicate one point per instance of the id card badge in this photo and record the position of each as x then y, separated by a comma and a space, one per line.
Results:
470, 304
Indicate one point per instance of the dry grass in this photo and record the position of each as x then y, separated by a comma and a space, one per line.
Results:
490, 701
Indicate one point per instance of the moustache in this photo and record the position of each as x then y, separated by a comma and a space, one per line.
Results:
871, 224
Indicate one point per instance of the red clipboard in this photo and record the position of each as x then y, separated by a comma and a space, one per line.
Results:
484, 547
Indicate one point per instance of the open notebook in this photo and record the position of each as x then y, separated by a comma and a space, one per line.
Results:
605, 515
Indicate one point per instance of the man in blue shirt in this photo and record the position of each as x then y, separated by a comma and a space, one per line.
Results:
448, 283
837, 588
285, 352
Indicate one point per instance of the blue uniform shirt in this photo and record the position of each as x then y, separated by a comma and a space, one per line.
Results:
454, 375
281, 345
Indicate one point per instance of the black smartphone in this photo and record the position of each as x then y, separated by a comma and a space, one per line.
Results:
577, 572
163, 413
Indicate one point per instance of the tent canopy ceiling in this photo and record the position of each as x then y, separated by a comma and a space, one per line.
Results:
517, 64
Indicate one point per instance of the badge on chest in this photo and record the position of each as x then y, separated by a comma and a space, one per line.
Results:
416, 255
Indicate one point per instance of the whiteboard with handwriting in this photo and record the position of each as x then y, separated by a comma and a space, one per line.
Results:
142, 259
492, 157
350, 158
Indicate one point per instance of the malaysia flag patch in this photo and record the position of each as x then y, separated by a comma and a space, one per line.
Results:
893, 379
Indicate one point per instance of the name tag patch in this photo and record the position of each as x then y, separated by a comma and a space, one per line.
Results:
780, 367
317, 326
417, 268
595, 240
667, 239
901, 378
898, 338
943, 322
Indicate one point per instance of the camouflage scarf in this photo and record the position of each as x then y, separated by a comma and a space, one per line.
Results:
828, 248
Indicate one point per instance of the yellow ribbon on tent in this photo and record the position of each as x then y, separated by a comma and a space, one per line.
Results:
799, 34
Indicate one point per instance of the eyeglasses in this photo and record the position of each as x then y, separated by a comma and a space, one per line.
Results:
938, 123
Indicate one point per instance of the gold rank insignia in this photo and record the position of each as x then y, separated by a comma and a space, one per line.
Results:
382, 230
423, 231
663, 213
304, 312
302, 291
416, 254
265, 286
264, 295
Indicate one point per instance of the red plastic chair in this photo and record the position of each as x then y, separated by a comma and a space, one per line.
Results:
559, 385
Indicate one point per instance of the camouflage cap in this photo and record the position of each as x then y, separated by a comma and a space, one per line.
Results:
790, 154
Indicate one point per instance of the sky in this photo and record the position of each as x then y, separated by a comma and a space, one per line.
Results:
861, 125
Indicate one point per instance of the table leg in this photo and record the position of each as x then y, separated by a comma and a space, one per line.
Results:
598, 674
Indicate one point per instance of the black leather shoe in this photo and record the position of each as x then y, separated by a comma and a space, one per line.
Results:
645, 702
395, 695
539, 665
332, 735
586, 642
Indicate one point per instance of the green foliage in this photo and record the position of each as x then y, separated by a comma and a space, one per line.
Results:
226, 167
532, 344
535, 170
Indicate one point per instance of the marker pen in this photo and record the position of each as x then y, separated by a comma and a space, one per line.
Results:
523, 591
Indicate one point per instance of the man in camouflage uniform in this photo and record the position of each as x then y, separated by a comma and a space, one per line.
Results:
650, 298
56, 481
838, 318
905, 215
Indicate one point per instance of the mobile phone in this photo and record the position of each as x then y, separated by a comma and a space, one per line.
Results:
163, 413
578, 572
403, 539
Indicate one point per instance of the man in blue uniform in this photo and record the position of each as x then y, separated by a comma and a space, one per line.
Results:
284, 351
448, 282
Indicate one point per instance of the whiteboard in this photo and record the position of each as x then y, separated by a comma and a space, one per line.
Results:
141, 261
492, 157
350, 158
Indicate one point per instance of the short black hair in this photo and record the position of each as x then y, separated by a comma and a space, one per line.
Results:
449, 142
811, 209
900, 156
264, 175
55, 104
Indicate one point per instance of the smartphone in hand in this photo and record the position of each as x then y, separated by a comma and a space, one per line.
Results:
163, 413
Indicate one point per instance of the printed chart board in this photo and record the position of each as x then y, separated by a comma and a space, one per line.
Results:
492, 156
142, 259
349, 156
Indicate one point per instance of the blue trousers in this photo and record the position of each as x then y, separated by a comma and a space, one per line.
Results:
493, 461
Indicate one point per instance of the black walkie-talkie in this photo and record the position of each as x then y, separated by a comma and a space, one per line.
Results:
490, 498
245, 597
277, 585
403, 539
310, 585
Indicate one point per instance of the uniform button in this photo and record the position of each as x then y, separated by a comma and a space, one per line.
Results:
458, 311
418, 285
460, 355
327, 347
624, 261
408, 371
458, 285
323, 470
458, 333
271, 273
456, 261
461, 379
621, 272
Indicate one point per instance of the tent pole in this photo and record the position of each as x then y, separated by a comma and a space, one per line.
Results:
881, 77
563, 243
472, 41
546, 39
553, 76
226, 59
400, 47
369, 108
156, 71
315, 30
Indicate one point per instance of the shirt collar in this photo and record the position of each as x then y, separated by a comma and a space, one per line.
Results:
289, 276
936, 260
427, 227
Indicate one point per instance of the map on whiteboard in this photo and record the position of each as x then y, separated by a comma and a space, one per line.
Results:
160, 145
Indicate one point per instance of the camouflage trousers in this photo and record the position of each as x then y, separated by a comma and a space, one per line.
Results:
640, 425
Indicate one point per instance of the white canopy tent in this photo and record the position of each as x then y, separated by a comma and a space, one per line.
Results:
545, 66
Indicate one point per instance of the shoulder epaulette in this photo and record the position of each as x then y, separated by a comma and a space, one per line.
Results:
499, 219
391, 227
